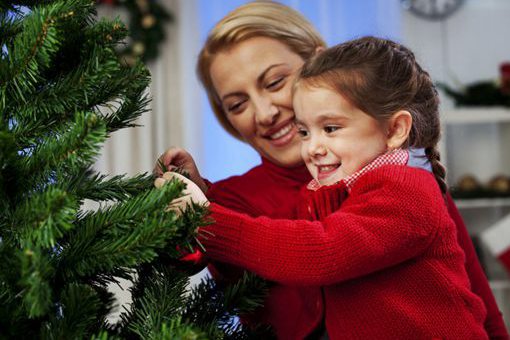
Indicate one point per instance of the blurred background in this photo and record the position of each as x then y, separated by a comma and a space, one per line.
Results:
462, 43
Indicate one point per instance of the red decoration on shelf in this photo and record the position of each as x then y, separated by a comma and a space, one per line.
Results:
107, 2
505, 77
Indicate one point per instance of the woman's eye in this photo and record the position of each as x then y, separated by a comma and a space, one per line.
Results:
275, 84
302, 133
235, 107
330, 129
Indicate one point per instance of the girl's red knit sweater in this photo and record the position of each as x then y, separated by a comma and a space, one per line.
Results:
294, 311
388, 259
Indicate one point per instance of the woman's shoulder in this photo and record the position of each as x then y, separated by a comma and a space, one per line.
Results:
240, 193
254, 174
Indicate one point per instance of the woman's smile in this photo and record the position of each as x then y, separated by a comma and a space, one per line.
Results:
283, 135
257, 97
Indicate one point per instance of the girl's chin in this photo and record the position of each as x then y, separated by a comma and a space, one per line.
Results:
329, 180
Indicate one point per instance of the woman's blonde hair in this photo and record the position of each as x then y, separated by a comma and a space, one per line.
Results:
254, 19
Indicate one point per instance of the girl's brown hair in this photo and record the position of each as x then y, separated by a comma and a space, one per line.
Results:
382, 77
255, 19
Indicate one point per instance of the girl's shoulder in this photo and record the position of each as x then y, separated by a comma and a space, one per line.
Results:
398, 179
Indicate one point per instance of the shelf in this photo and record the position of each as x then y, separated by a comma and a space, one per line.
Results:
476, 115
482, 203
499, 284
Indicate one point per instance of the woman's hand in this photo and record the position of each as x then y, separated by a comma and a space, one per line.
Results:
192, 193
175, 158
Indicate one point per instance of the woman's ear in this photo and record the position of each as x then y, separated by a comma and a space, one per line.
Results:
399, 127
319, 49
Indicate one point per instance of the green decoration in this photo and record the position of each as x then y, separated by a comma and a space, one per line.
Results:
63, 92
147, 20
483, 93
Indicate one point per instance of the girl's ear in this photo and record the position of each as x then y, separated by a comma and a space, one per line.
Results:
399, 127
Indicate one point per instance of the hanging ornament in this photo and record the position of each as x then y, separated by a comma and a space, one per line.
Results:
143, 5
468, 183
148, 21
138, 48
467, 186
499, 185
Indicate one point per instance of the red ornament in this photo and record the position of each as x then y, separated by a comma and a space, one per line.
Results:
196, 257
504, 70
107, 2
191, 262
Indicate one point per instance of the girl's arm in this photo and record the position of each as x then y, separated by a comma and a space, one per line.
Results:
389, 218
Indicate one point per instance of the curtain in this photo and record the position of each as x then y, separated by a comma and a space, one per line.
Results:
174, 110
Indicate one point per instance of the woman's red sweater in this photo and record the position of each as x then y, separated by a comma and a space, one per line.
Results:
294, 311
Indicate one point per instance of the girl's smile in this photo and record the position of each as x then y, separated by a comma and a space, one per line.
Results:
337, 138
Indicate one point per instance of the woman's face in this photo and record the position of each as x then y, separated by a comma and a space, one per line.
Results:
253, 80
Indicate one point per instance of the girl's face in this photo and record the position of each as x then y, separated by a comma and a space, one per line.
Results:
338, 139
253, 80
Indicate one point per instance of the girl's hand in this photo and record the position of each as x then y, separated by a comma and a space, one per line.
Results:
174, 158
191, 262
192, 193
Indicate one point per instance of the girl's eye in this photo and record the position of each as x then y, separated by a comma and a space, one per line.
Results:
331, 128
275, 84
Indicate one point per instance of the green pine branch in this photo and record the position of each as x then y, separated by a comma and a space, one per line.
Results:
34, 281
88, 184
77, 314
31, 51
75, 146
63, 91
43, 218
220, 307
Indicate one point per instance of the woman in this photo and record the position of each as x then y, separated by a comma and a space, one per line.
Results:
247, 67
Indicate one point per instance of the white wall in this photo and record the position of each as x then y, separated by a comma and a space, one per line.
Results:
469, 46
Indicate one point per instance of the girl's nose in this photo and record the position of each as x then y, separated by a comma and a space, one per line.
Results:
316, 148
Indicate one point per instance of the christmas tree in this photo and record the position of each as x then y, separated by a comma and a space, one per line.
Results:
63, 91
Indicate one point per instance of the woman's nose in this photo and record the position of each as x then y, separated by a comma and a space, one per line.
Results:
266, 113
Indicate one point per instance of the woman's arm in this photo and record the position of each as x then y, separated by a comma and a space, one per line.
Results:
494, 324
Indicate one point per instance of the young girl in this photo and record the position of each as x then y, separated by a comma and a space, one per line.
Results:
383, 246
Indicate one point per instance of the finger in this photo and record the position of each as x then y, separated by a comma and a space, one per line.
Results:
168, 175
171, 175
159, 182
164, 161
175, 156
